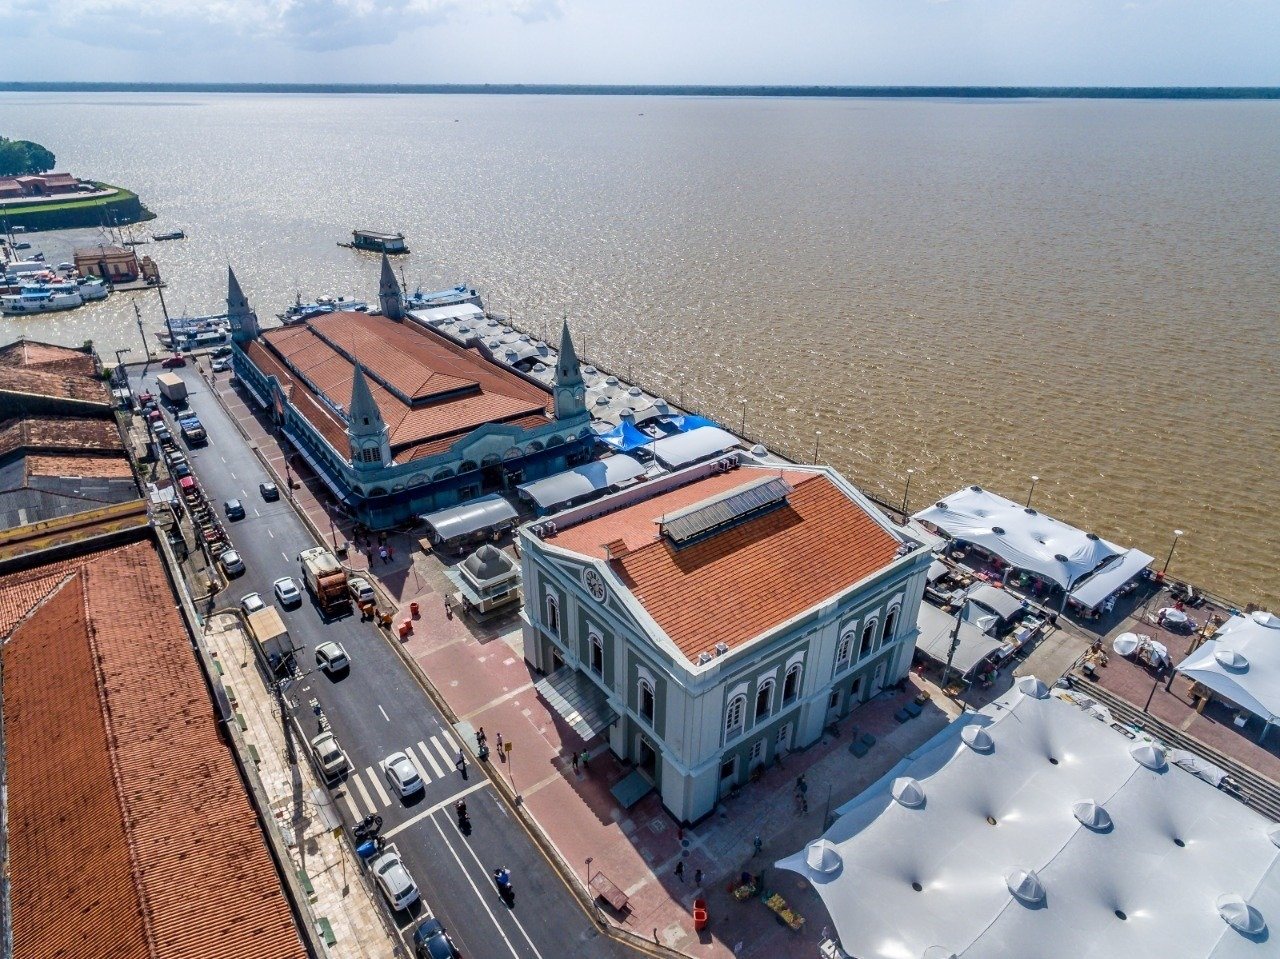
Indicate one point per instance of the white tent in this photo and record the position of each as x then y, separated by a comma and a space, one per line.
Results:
1032, 829
697, 444
1242, 663
474, 516
1021, 536
934, 639
582, 480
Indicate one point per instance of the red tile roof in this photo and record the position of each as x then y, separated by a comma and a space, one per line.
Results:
43, 369
737, 584
426, 387
58, 434
130, 833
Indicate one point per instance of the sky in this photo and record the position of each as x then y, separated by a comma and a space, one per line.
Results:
785, 42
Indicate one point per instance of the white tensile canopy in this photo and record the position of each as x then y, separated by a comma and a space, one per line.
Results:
582, 480
697, 444
1033, 829
1242, 663
934, 639
473, 516
1021, 536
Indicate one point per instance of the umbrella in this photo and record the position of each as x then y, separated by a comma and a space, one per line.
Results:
1126, 644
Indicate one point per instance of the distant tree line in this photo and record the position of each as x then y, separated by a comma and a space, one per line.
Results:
20, 157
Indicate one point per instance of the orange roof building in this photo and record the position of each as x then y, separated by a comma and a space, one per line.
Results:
713, 619
399, 420
128, 832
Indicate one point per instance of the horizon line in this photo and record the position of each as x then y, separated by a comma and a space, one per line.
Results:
639, 89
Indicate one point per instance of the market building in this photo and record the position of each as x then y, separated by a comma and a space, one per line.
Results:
399, 420
711, 619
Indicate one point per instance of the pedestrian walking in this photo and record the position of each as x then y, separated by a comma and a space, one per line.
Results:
461, 761
383, 553
697, 877
680, 870
391, 551
586, 761
575, 762
759, 845
481, 737
499, 738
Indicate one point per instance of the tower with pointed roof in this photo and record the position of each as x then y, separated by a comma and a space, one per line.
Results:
244, 322
367, 433
389, 292
570, 393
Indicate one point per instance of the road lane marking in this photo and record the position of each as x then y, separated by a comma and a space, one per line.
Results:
231, 474
384, 713
449, 760
485, 871
484, 899
431, 760
378, 787
256, 513
444, 804
352, 807
364, 793
269, 533
283, 553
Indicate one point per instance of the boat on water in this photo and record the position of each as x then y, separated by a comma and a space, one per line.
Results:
171, 235
454, 296
33, 299
194, 332
325, 304
375, 242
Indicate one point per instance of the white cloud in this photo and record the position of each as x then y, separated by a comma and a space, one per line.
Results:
302, 24
537, 11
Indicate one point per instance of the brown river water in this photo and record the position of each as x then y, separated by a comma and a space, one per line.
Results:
1086, 291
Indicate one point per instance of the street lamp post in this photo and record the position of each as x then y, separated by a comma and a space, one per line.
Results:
1032, 492
590, 860
1177, 535
817, 437
905, 493
120, 368
955, 644
743, 431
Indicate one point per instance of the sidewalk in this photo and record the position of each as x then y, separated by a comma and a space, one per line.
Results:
479, 669
347, 916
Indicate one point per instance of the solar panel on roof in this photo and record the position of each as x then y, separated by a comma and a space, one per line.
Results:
702, 519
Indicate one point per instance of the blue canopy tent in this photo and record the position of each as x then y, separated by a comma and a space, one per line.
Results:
624, 438
684, 424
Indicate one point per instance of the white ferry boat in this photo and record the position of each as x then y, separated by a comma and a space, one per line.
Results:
34, 300
194, 332
325, 304
454, 296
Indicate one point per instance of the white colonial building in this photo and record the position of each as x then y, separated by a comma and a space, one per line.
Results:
712, 618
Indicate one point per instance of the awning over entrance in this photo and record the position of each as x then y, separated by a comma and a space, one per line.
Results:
579, 701
585, 480
317, 468
487, 512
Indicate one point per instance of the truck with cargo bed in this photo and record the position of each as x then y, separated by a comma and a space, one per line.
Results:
272, 639
325, 578
172, 388
192, 430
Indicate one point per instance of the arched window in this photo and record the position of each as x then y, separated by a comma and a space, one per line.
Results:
646, 701
844, 650
791, 685
552, 621
466, 466
890, 623
597, 653
868, 637
734, 715
764, 700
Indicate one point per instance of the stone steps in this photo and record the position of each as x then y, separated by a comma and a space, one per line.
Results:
1249, 786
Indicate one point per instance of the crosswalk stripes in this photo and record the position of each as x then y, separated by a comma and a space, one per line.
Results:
431, 760
375, 777
364, 793
449, 758
351, 804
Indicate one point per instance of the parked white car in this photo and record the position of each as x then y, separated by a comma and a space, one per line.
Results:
361, 591
394, 879
333, 761
251, 603
332, 657
402, 774
231, 562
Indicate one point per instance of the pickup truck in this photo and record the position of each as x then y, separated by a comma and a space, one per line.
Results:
192, 429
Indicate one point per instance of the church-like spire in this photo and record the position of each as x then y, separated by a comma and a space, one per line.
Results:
240, 315
389, 292
367, 434
570, 395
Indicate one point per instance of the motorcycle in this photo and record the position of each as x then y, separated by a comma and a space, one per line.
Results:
367, 828
464, 821
502, 879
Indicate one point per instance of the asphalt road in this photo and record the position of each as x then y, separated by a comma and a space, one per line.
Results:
377, 708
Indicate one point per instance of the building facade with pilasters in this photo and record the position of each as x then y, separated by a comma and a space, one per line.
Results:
720, 617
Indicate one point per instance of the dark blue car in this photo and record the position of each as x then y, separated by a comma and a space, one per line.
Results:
430, 941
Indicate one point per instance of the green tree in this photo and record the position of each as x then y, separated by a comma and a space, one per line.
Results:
19, 157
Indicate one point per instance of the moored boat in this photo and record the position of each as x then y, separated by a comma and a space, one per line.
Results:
325, 304
35, 300
171, 235
454, 296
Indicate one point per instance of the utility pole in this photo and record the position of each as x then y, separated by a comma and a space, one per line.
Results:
905, 493
141, 332
955, 644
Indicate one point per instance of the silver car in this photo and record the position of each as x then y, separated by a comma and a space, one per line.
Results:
332, 657
333, 761
394, 879
251, 603
231, 562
